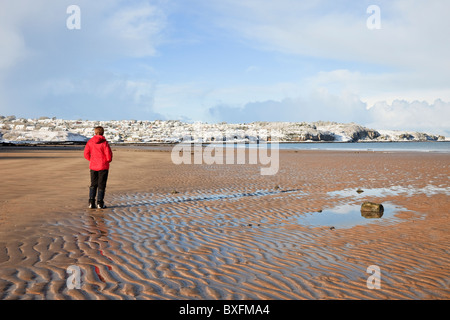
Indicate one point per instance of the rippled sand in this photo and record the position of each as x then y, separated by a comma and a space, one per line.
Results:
225, 231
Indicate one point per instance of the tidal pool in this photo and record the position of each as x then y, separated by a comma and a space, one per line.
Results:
347, 216
408, 191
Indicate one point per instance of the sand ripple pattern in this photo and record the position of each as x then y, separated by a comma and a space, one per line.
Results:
217, 244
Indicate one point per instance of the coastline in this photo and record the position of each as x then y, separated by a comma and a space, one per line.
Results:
222, 232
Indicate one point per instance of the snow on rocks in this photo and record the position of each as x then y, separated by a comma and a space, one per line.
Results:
45, 129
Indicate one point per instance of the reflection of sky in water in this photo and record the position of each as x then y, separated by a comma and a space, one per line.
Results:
429, 190
425, 146
347, 216
344, 215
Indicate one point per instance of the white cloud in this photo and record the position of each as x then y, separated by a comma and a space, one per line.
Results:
13, 47
137, 29
110, 29
415, 115
317, 105
103, 67
329, 96
407, 60
194, 99
13, 14
421, 116
376, 87
412, 31
45, 66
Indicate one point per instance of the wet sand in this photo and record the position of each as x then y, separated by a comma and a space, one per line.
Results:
225, 231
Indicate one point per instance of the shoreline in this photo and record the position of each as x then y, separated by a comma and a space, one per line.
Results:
167, 146
223, 232
75, 143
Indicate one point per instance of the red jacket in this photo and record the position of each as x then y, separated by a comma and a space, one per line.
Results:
98, 152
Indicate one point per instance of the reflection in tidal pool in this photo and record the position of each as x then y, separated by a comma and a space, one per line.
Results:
349, 215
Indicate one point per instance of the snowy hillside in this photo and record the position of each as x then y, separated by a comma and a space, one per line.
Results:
44, 129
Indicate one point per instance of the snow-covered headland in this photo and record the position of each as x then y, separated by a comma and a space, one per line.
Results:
52, 130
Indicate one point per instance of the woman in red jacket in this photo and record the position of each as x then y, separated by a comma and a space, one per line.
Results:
99, 153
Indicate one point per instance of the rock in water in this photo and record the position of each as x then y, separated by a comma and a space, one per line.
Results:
372, 206
372, 210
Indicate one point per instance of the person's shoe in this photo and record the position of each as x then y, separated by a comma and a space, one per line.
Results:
91, 203
100, 203
92, 194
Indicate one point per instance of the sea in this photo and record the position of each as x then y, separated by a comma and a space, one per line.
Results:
405, 146
395, 146
423, 146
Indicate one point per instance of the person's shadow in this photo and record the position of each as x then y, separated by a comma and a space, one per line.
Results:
99, 237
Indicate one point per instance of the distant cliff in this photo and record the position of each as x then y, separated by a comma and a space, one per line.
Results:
44, 129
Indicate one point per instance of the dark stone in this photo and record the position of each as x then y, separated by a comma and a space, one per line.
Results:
372, 210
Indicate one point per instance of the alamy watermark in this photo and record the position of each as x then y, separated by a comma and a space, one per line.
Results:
74, 279
243, 148
374, 20
73, 22
374, 281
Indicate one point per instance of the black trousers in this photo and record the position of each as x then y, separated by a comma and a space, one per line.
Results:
99, 179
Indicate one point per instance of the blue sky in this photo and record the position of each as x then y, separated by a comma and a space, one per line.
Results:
229, 60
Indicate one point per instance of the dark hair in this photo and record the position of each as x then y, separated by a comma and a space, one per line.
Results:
99, 130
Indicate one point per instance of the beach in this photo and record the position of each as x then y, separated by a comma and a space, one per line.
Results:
212, 231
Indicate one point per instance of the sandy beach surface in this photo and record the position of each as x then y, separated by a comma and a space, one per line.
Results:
225, 231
